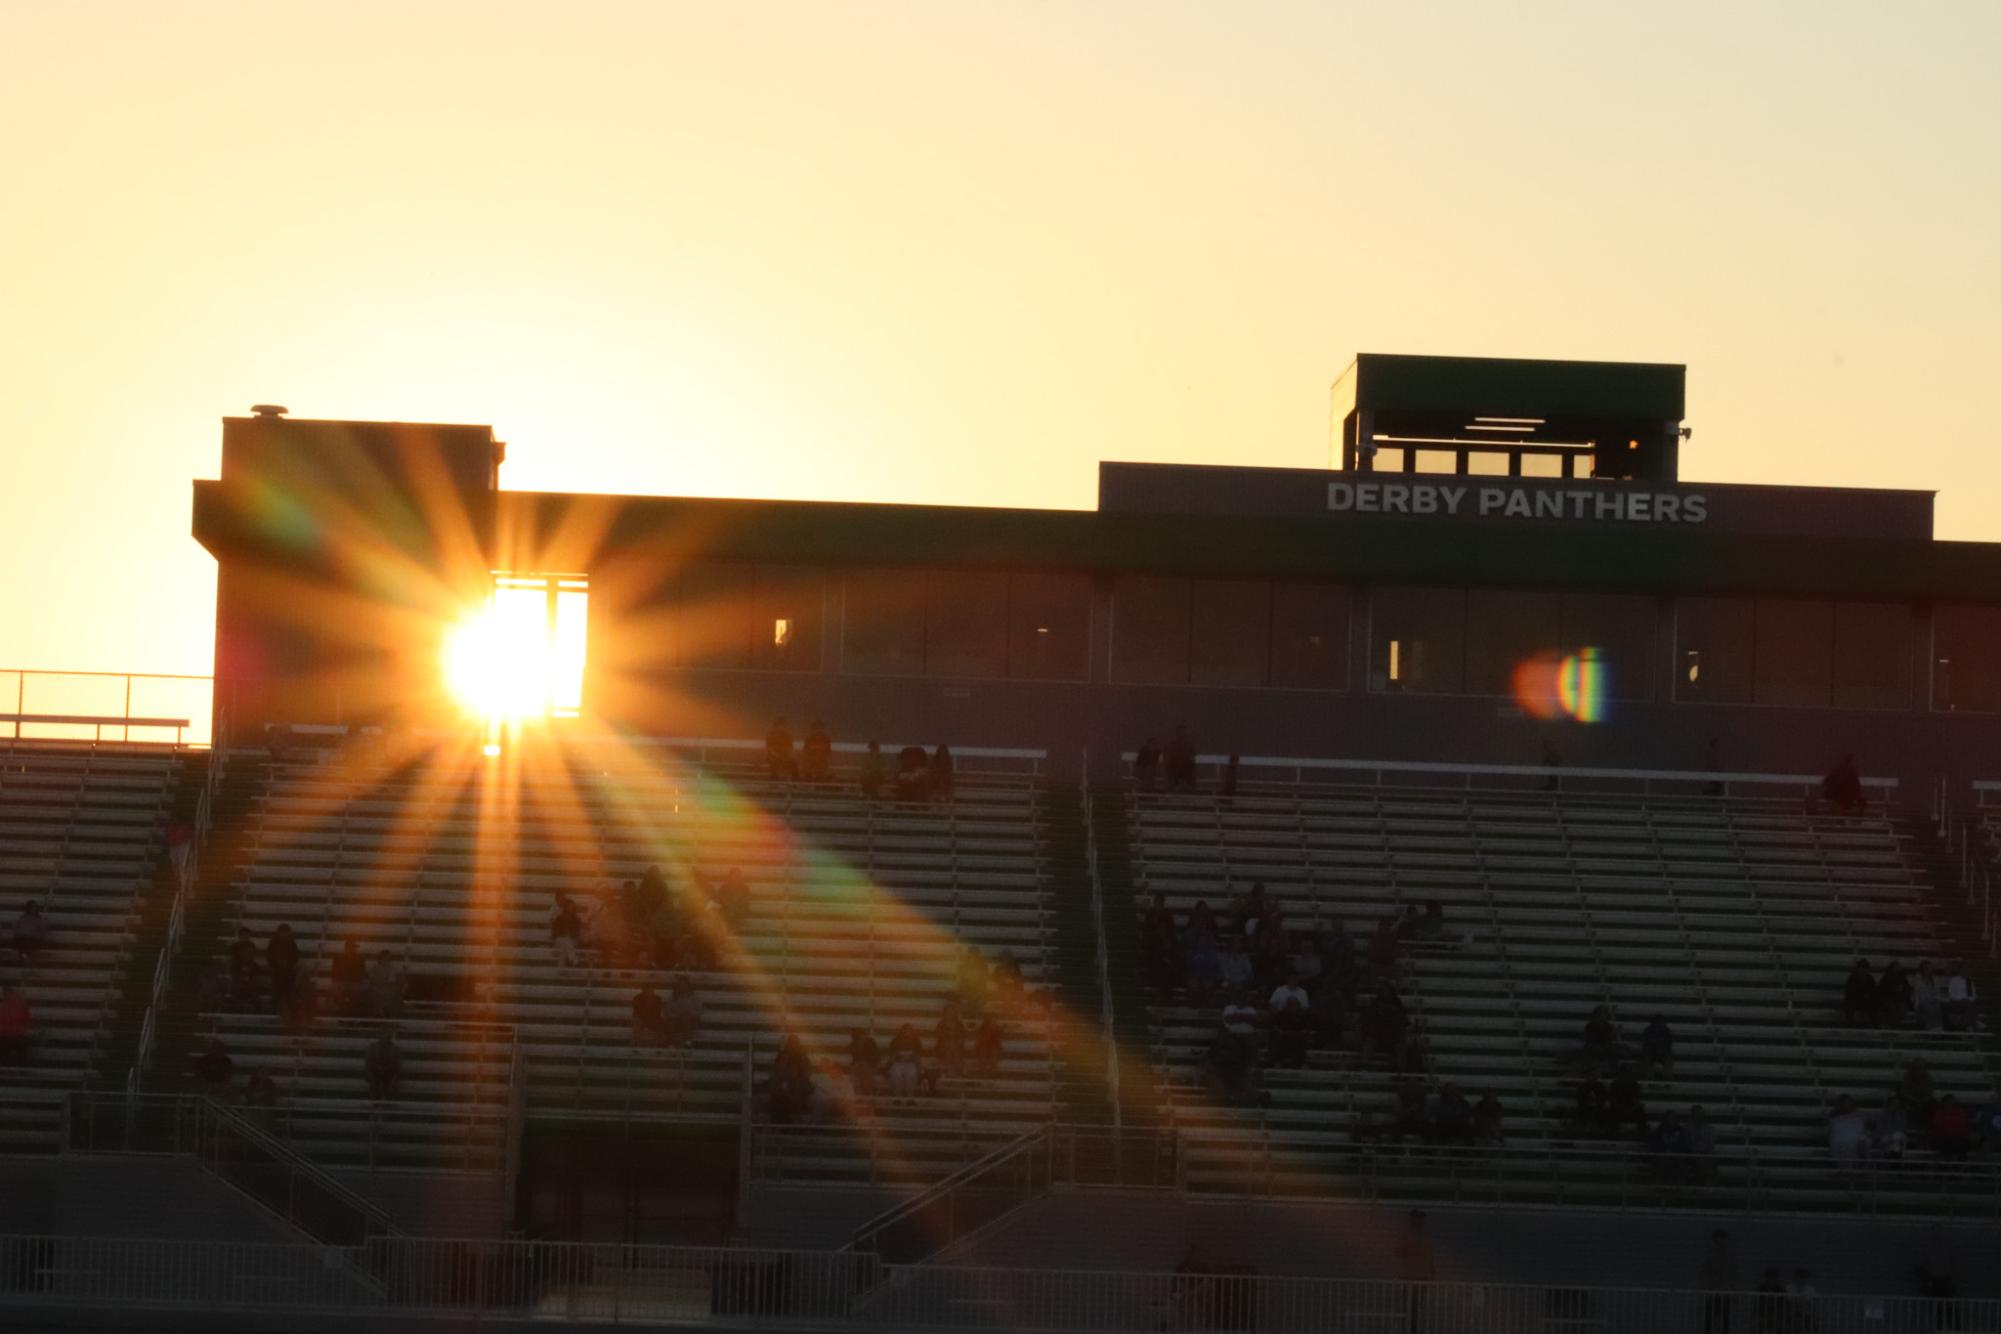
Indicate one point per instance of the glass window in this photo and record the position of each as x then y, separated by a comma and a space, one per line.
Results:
1872, 655
1966, 659
1417, 640
1795, 648
1229, 632
1309, 635
716, 612
785, 618
1713, 649
965, 623
1049, 627
1504, 630
1150, 630
882, 626
1621, 627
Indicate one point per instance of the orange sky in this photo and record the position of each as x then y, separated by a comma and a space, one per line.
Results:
952, 251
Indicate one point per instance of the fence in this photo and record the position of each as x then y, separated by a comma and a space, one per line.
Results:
105, 706
658, 1285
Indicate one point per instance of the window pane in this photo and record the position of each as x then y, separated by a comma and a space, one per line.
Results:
1713, 650
1150, 630
1872, 655
1309, 635
785, 621
1795, 652
716, 614
965, 623
1504, 629
1621, 628
882, 627
1230, 637
1966, 665
1417, 640
1049, 627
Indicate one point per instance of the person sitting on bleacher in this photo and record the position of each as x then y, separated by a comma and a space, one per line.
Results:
30, 930
816, 754
832, 1095
1230, 1069
940, 777
1890, 1129
1249, 911
906, 1062
1588, 1105
1146, 765
1894, 997
1602, 1048
733, 899
1916, 1090
1487, 1120
1847, 1134
566, 930
1623, 1104
215, 1068
987, 1046
1842, 788
383, 1065
1178, 760
864, 1061
1951, 1129
386, 985
1927, 997
1235, 966
1385, 1024
17, 1025
1291, 1023
778, 751
1960, 995
648, 1016
1987, 1126
1858, 995
1160, 946
683, 1019
1201, 966
872, 772
1657, 1048
1271, 950
974, 981
348, 974
1451, 1117
260, 1090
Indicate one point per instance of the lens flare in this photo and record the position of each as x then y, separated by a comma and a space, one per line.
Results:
498, 665
1564, 685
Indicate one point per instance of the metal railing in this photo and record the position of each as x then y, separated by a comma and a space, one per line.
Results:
177, 913
61, 705
1106, 1016
1306, 771
661, 1285
972, 1198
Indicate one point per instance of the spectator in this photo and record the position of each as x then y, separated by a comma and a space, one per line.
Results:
1146, 766
1202, 921
1719, 1279
1916, 1088
778, 757
1801, 1296
1178, 761
1858, 995
386, 985
816, 754
1240, 1020
906, 1058
281, 958
1951, 1129
974, 981
1385, 1024
1247, 914
260, 1090
1847, 1134
1657, 1048
243, 966
789, 1088
683, 1018
180, 846
384, 1065
566, 931
1771, 1302
349, 973
1669, 1142
1202, 967
648, 1016
864, 1061
30, 930
1889, 1129
1623, 1104
1487, 1120
1452, 1117
1893, 996
1236, 966
1429, 927
1842, 788
17, 1025
1271, 952
1987, 1126
1009, 988
831, 1093
1160, 946
1230, 1069
873, 771
215, 1068
939, 777
912, 768
1960, 995
1601, 1040
1590, 1105
987, 1047
1291, 1024
1927, 997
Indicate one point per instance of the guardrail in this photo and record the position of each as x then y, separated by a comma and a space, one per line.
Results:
974, 1197
965, 759
1106, 1015
662, 1285
1304, 771
177, 913
60, 704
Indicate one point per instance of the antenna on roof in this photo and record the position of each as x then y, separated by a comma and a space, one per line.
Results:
267, 410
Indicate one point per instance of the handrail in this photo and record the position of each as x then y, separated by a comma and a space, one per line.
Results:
1302, 764
867, 1238
517, 1117
216, 1119
1106, 1015
177, 911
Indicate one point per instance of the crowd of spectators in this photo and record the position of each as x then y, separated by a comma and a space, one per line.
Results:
917, 777
1928, 999
1912, 1114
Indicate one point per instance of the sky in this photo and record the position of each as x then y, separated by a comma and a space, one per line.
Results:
953, 252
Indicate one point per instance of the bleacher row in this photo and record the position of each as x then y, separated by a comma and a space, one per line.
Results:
857, 914
81, 830
1736, 920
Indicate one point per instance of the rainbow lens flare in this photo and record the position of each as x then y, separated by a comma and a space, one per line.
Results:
1564, 685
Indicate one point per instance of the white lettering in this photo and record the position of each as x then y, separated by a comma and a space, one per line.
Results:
1637, 504
1453, 495
1667, 508
1424, 500
1549, 505
1491, 499
1609, 504
1518, 504
1694, 509
1394, 496
1340, 495
1366, 496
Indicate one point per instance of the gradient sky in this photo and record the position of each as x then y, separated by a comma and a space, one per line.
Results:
953, 252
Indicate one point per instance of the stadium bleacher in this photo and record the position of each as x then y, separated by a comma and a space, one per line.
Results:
858, 911
82, 831
1736, 919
